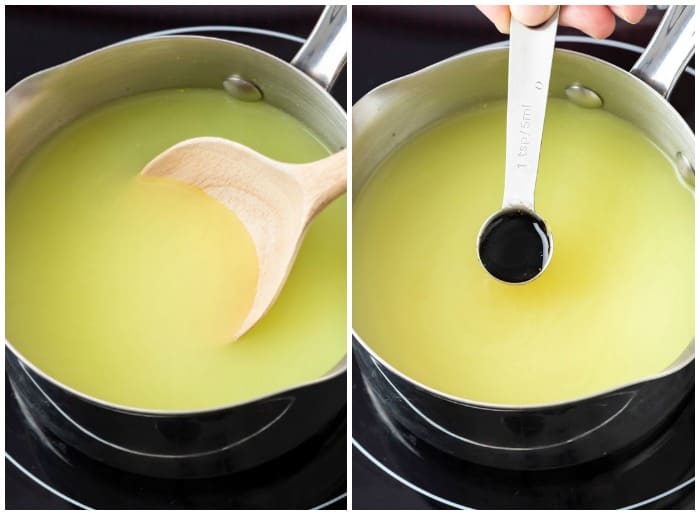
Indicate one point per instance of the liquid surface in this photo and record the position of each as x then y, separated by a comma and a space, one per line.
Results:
608, 310
514, 246
129, 289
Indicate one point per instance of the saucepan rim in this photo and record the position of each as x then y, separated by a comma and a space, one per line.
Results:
678, 365
335, 371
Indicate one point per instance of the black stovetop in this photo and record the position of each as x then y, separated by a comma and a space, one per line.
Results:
394, 470
44, 473
40, 471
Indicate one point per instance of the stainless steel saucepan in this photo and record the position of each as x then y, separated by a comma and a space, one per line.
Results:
188, 443
564, 433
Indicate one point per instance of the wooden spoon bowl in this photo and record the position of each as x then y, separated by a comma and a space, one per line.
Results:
275, 201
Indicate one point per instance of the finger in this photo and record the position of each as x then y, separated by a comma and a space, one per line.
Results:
630, 13
532, 15
595, 20
499, 16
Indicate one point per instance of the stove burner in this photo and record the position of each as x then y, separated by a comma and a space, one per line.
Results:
659, 474
311, 476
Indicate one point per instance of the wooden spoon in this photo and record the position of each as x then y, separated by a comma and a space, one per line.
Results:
275, 201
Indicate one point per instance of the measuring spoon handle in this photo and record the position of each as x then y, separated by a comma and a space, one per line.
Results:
529, 68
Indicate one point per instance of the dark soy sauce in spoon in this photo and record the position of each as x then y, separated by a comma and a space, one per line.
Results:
514, 245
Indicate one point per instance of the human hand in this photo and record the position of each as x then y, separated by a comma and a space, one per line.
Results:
597, 21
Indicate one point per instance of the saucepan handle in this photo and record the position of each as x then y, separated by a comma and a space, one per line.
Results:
324, 54
670, 49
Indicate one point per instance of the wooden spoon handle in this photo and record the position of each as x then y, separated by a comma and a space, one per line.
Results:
322, 181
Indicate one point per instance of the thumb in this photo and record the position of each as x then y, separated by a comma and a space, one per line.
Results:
532, 15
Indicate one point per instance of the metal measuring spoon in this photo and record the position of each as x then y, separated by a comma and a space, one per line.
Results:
514, 244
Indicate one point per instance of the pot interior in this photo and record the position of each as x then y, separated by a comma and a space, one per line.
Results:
391, 114
45, 102
48, 100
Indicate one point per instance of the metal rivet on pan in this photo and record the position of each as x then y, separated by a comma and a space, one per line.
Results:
583, 96
242, 89
685, 170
